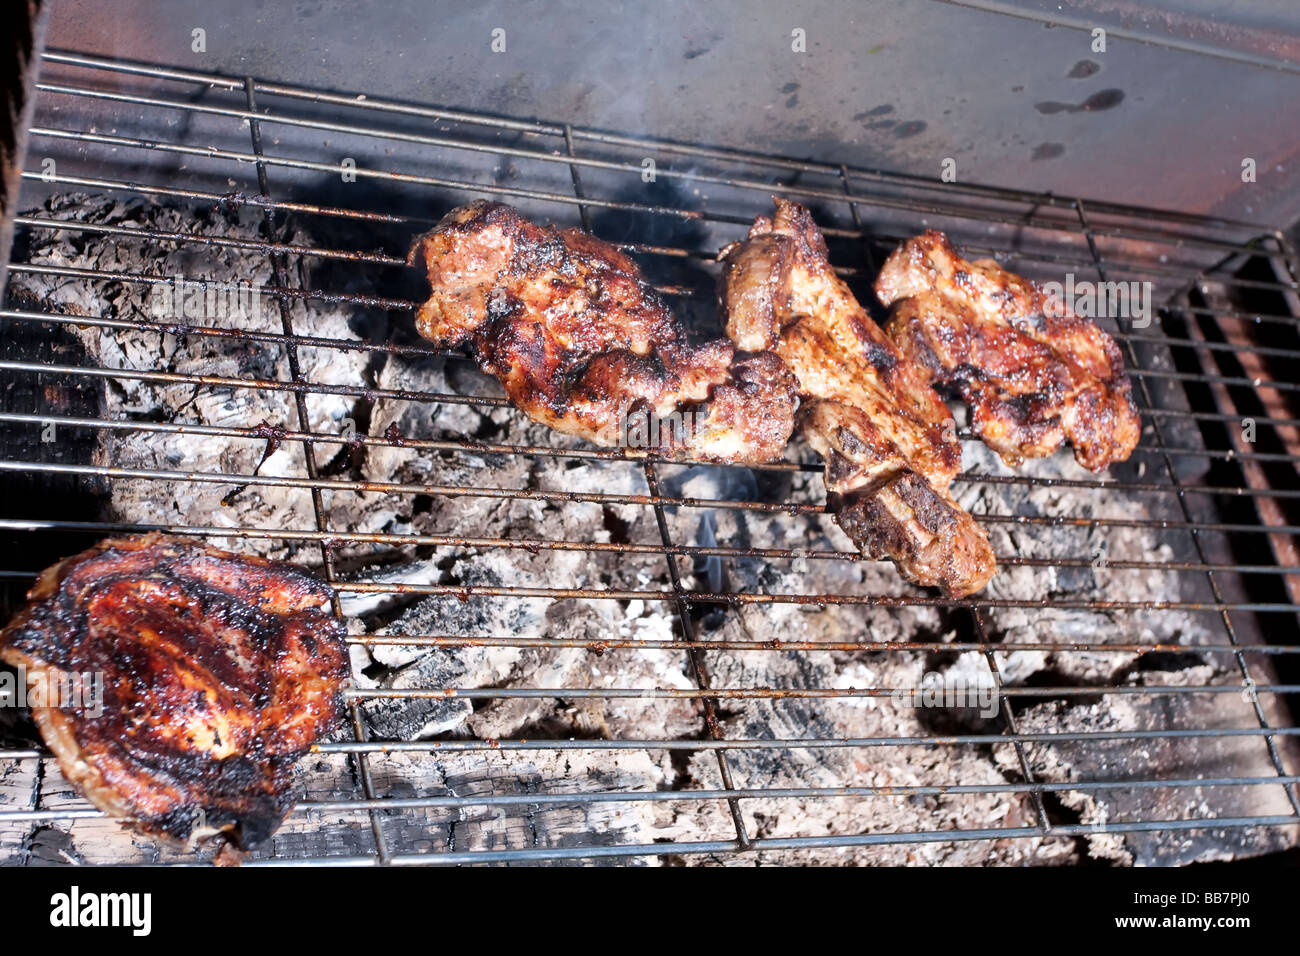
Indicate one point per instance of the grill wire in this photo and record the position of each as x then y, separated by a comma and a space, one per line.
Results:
1107, 240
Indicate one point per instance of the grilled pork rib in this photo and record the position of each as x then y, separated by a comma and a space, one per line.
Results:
583, 344
1033, 374
889, 443
218, 672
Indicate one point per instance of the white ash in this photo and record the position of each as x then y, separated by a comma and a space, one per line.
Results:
438, 774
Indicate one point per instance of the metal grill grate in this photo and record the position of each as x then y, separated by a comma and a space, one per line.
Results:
1208, 363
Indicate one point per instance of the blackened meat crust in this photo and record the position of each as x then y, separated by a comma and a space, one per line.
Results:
583, 344
889, 444
1034, 374
218, 670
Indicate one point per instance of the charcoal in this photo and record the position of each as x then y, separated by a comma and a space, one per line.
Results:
450, 508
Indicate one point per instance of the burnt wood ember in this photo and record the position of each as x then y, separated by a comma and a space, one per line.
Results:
889, 442
583, 344
1034, 373
216, 672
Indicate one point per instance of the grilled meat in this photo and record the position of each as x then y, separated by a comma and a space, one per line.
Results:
583, 344
218, 672
889, 443
1033, 374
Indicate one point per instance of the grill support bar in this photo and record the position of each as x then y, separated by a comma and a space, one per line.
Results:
699, 668
361, 761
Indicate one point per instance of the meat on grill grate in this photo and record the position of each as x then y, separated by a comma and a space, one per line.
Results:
218, 671
1033, 373
583, 344
889, 442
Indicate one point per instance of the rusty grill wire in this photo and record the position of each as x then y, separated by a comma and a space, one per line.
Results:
1104, 239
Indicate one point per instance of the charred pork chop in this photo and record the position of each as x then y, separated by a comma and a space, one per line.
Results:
218, 671
583, 344
1034, 374
889, 443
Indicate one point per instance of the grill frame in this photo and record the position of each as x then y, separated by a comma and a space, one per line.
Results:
1091, 224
